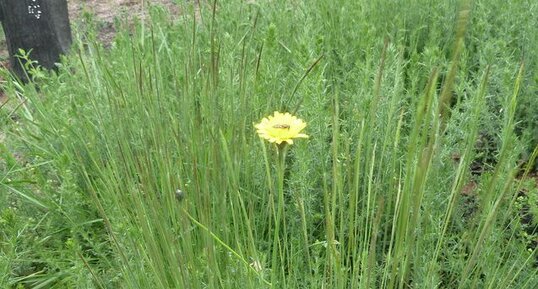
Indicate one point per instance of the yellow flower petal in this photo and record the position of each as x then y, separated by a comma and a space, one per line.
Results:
281, 127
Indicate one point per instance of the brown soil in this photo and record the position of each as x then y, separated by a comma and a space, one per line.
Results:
106, 11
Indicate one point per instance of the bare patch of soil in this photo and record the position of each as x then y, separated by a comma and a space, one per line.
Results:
106, 11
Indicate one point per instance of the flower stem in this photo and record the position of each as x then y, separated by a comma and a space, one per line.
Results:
279, 249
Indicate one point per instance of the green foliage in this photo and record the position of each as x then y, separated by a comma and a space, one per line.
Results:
418, 118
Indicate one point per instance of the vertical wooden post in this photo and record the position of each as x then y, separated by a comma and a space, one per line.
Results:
39, 26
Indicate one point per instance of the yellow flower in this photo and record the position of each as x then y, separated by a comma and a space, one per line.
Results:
281, 127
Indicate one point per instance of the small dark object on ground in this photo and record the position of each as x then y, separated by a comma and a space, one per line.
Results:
180, 195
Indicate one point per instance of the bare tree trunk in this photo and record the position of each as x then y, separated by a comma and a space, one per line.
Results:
39, 26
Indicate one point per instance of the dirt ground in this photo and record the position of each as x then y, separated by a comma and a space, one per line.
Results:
105, 12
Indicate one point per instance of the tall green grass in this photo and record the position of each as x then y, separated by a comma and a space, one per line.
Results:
398, 99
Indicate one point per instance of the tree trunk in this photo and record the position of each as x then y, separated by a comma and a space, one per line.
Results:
39, 26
